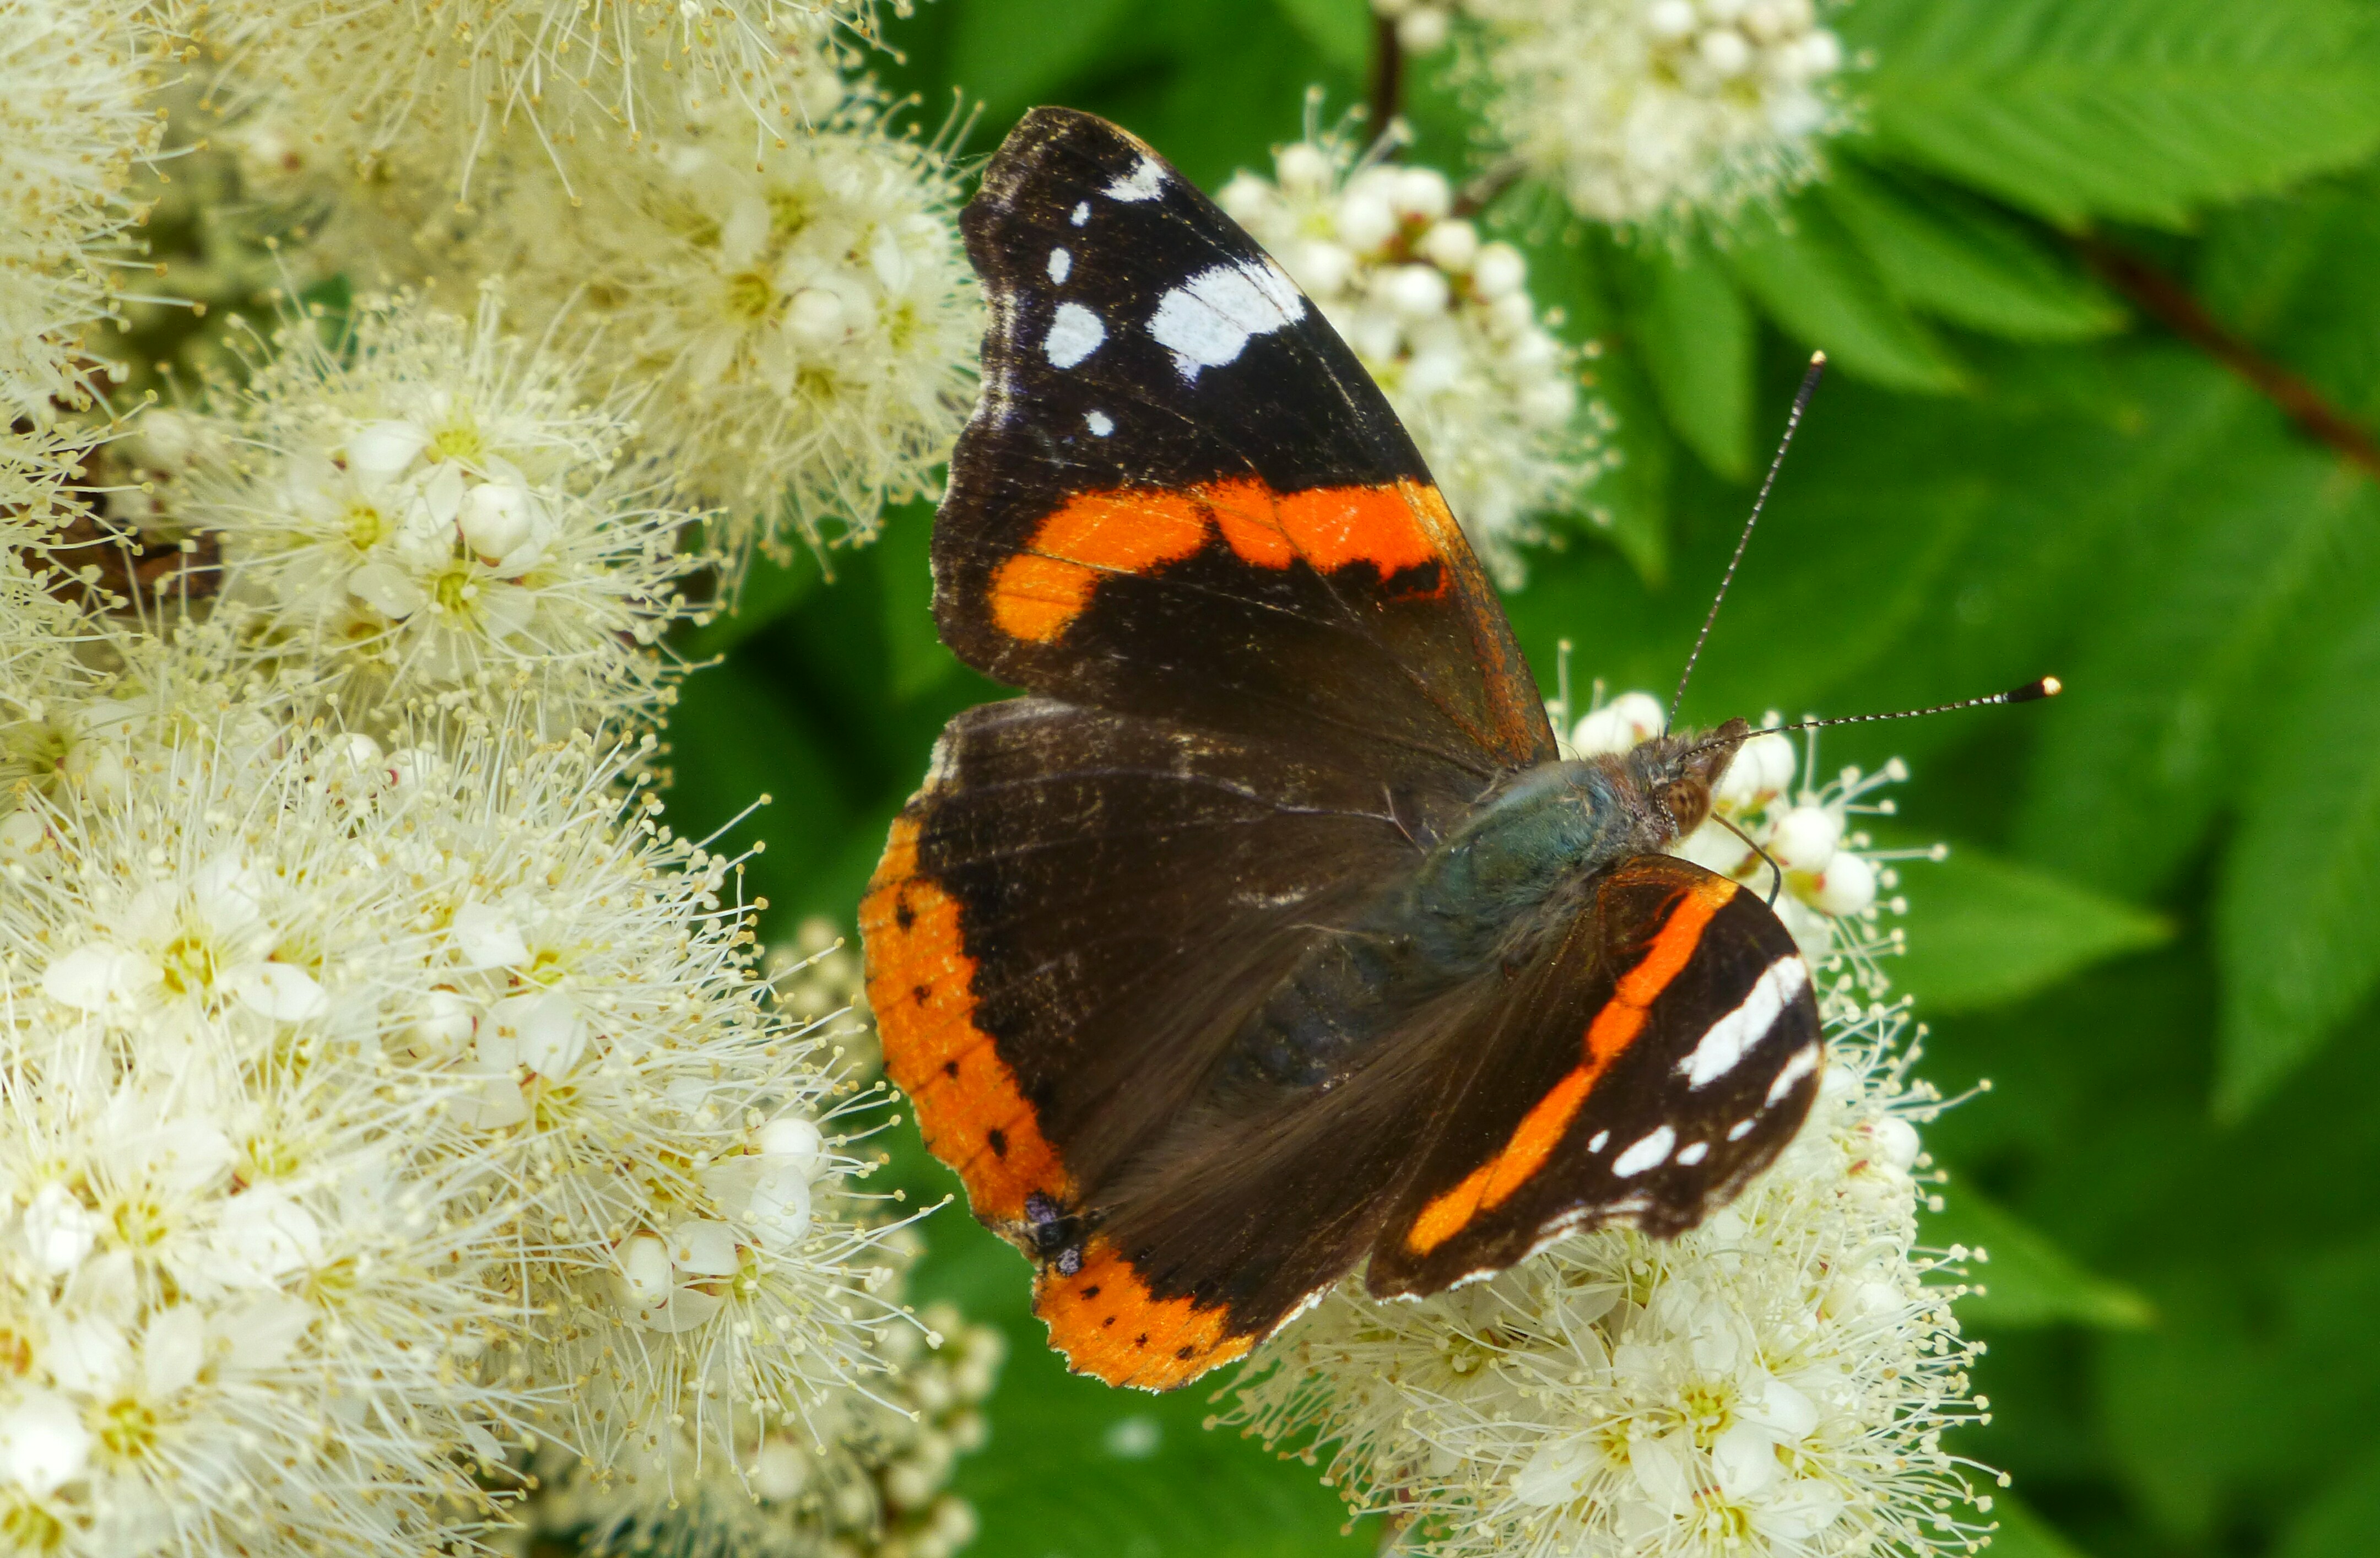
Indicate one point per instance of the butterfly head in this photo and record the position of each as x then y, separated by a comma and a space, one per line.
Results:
1673, 777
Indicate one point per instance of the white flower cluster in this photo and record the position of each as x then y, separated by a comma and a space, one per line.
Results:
1443, 320
792, 311
425, 508
1832, 873
377, 1116
866, 1475
1641, 111
357, 79
1774, 1382
73, 125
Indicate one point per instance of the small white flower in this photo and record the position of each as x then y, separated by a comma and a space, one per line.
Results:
1441, 319
430, 504
1642, 113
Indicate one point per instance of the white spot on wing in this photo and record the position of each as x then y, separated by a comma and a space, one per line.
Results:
1141, 184
1060, 263
1206, 320
1649, 1153
1693, 1152
1804, 1061
1741, 1129
1596, 1144
1732, 1038
1075, 333
1081, 212
1098, 422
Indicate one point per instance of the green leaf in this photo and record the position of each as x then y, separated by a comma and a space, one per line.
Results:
2294, 922
1016, 51
2024, 1534
2168, 683
2140, 110
1340, 30
1694, 332
2029, 1281
1813, 280
1955, 258
2293, 276
905, 570
1983, 930
2340, 1523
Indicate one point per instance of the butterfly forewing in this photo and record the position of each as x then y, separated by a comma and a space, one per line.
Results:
1181, 495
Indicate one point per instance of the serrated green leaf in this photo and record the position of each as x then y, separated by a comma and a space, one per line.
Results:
1016, 51
2141, 110
1813, 280
1695, 333
2028, 1281
1340, 30
2341, 1521
1955, 258
2295, 928
1985, 931
2024, 1534
2167, 682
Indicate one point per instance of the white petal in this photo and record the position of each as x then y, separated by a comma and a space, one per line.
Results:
88, 1357
644, 1276
381, 449
1556, 1473
43, 1443
547, 1031
266, 1236
1784, 1411
280, 991
173, 1350
486, 937
1660, 1468
496, 518
263, 1333
388, 589
1799, 1512
703, 1247
58, 1231
780, 1213
97, 975
1744, 1459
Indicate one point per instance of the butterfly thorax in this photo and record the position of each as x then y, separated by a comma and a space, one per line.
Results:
1513, 872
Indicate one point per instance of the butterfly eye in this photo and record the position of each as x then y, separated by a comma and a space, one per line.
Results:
1689, 803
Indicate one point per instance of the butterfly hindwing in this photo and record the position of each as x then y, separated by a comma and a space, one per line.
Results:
1181, 495
1680, 1057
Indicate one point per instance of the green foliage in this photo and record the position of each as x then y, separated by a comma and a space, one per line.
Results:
2139, 110
1994, 930
2154, 936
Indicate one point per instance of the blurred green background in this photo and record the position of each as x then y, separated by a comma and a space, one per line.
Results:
2154, 935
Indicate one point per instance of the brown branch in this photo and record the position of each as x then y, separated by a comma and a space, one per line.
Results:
1387, 98
1488, 186
2171, 304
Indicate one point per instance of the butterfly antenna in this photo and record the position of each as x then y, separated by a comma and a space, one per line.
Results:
2033, 692
1792, 420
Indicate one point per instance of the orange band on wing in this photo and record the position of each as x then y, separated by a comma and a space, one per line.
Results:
920, 988
1613, 1029
1038, 594
1108, 1323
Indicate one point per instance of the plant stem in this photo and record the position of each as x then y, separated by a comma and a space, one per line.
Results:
2171, 304
1387, 75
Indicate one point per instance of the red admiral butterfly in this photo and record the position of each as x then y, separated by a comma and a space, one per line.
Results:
1269, 934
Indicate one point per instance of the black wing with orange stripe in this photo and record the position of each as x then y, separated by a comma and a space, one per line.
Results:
1677, 1050
1181, 496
